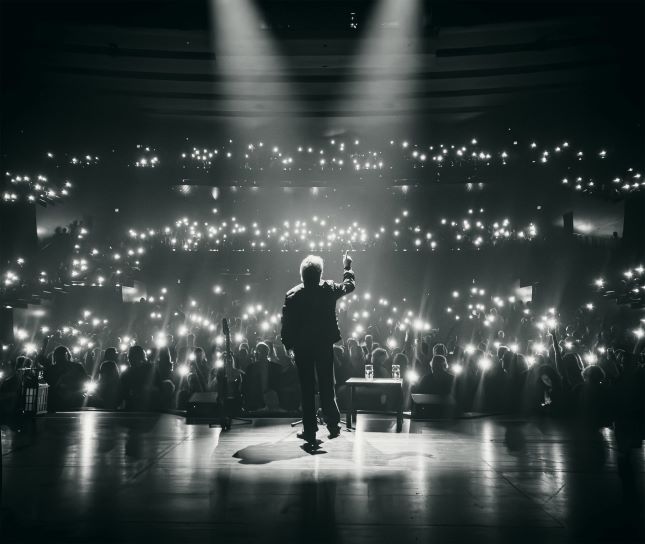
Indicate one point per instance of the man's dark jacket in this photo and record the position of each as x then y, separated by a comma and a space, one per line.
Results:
309, 313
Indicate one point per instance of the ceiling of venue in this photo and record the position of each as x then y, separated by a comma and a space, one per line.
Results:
96, 65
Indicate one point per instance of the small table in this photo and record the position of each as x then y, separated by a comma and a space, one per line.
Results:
383, 384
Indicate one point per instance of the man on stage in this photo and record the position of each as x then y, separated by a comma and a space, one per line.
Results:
310, 329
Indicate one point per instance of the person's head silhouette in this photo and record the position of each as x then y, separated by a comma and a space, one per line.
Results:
311, 269
62, 355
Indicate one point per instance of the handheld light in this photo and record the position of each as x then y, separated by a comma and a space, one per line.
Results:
591, 358
484, 363
412, 376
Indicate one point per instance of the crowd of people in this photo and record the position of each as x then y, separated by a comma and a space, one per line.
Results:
73, 256
509, 362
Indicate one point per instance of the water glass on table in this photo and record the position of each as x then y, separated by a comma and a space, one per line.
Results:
369, 372
396, 372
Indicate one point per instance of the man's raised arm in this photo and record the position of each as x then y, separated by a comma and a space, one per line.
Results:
349, 282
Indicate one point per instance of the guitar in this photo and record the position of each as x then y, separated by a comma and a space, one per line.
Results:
229, 379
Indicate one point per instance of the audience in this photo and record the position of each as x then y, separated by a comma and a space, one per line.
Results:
141, 383
591, 373
66, 379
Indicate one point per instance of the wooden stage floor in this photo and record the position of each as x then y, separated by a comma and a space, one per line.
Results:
104, 477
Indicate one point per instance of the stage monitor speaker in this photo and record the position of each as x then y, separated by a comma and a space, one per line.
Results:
567, 223
426, 406
203, 406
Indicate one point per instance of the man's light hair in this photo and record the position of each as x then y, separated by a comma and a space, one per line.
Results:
311, 269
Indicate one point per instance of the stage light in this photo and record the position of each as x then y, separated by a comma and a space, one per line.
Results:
239, 33
183, 370
568, 345
123, 368
90, 387
392, 343
469, 349
391, 32
530, 360
412, 376
239, 337
484, 363
639, 333
457, 369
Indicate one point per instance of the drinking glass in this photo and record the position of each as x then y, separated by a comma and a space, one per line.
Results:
396, 372
369, 372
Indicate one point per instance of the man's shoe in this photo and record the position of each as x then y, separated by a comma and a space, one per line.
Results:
311, 438
334, 432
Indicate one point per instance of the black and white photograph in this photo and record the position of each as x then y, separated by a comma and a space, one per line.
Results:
322, 271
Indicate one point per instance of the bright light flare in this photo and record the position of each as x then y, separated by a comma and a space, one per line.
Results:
591, 358
484, 363
412, 376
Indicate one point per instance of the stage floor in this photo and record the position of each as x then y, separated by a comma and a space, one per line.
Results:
103, 477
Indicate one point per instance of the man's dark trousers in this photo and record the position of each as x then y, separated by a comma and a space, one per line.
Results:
312, 361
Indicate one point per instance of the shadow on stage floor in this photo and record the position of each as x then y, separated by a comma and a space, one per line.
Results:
102, 477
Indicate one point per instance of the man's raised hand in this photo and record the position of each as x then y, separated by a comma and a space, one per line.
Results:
347, 261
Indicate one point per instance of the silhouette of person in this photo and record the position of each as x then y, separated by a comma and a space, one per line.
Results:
310, 329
